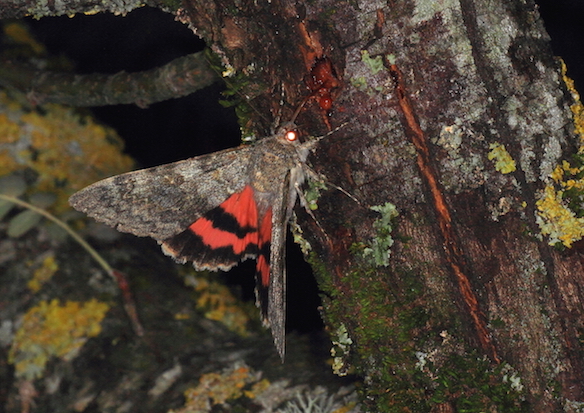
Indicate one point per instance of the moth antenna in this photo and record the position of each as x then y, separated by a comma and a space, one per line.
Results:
314, 176
342, 125
296, 112
298, 109
279, 113
294, 115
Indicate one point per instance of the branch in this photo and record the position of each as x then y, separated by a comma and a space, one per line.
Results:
180, 77
16, 9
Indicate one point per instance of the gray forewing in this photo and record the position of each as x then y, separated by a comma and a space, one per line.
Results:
162, 201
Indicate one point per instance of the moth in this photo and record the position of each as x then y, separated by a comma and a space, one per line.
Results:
215, 210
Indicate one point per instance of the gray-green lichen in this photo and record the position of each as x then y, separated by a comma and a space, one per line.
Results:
340, 350
375, 64
380, 247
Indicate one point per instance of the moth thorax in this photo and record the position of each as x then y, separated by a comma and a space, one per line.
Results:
265, 181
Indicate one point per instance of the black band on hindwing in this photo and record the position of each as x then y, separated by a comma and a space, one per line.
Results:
227, 222
188, 246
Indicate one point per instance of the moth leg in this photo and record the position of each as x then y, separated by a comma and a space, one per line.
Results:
298, 192
313, 176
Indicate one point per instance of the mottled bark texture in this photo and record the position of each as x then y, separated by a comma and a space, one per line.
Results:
457, 114
178, 78
14, 9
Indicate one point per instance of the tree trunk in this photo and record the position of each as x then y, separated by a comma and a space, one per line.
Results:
457, 114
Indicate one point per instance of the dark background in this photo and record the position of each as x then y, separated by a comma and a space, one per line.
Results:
182, 128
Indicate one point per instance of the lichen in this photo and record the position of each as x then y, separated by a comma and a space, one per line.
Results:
577, 108
218, 388
560, 208
20, 35
312, 193
375, 64
43, 273
504, 163
219, 304
359, 83
53, 330
555, 217
318, 401
380, 247
340, 350
66, 150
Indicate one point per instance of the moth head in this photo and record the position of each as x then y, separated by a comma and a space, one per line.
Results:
288, 132
291, 136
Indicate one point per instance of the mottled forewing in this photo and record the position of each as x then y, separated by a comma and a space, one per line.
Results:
161, 202
276, 294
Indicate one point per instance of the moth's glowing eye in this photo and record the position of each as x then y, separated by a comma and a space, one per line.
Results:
291, 136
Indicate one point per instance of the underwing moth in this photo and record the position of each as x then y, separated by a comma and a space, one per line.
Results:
215, 210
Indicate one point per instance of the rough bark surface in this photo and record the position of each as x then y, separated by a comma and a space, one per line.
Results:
474, 310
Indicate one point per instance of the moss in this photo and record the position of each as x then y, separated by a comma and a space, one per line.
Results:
504, 163
172, 5
472, 384
236, 92
320, 270
54, 330
390, 331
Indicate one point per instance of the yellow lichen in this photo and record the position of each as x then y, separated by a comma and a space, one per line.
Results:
220, 305
257, 388
559, 213
54, 330
217, 388
349, 407
504, 163
67, 151
44, 273
20, 35
577, 108
555, 218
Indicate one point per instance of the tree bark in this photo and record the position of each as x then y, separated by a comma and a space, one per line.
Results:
457, 114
